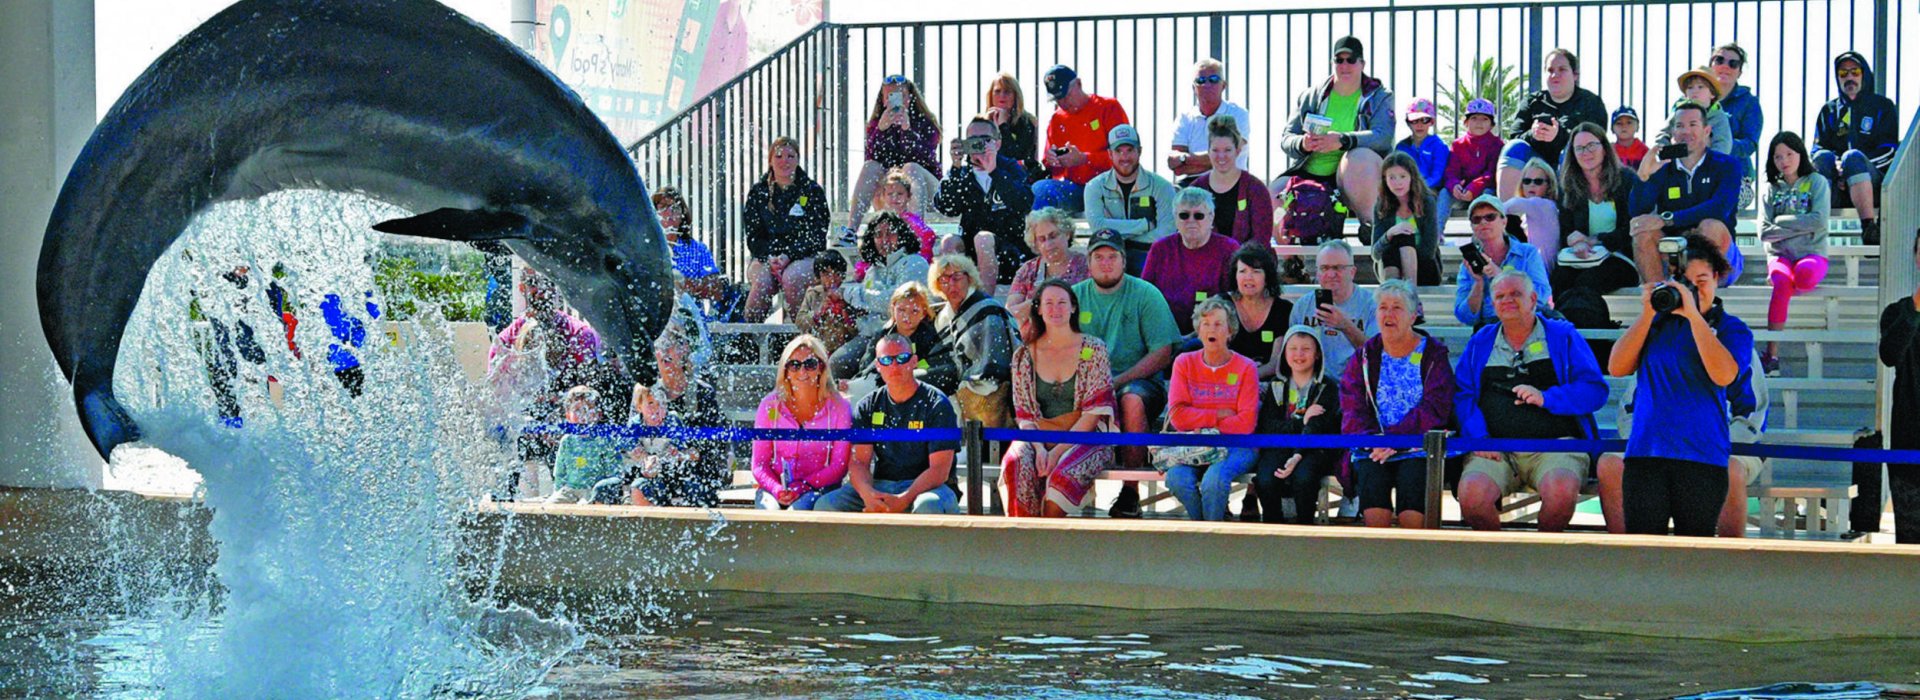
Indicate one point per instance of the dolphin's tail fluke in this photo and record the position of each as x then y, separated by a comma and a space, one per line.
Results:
107, 422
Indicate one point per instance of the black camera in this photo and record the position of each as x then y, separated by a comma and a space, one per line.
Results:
1471, 256
1666, 298
975, 145
1671, 152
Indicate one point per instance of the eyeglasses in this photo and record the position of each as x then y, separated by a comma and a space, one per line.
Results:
810, 364
900, 359
955, 275
1483, 218
895, 80
1346, 60
1209, 80
1533, 181
1849, 73
1733, 63
1333, 268
1589, 148
1192, 215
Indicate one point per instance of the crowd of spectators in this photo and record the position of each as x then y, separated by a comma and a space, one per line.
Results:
1172, 317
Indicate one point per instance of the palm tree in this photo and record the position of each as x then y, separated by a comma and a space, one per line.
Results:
1504, 86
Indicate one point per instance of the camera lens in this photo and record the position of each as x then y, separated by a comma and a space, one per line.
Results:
1665, 299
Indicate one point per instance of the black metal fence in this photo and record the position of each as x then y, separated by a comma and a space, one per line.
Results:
818, 88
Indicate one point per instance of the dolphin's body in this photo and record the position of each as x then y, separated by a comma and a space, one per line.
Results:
404, 101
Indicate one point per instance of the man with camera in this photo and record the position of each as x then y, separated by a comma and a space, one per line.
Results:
1492, 251
1135, 203
1076, 140
1695, 193
989, 193
1686, 350
1527, 377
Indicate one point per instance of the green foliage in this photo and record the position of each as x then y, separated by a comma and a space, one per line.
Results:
1504, 86
459, 293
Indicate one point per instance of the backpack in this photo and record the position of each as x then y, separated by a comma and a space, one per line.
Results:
1309, 216
1584, 307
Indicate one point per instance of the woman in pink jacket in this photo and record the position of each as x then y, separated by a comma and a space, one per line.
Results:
1213, 387
793, 473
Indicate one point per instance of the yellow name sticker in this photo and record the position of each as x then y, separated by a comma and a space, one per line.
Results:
1673, 193
1536, 347
1266, 336
923, 365
773, 414
1233, 380
1199, 296
1094, 124
1086, 317
803, 200
1086, 353
879, 418
1243, 205
1146, 201
915, 425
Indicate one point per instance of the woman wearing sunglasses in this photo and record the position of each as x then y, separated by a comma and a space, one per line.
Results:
901, 133
1533, 214
1193, 265
793, 473
1062, 380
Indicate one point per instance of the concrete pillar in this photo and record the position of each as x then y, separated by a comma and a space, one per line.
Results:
46, 62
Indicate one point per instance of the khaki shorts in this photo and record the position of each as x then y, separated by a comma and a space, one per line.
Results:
1525, 470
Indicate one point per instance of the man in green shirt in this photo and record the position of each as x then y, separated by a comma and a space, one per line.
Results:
1132, 318
1341, 130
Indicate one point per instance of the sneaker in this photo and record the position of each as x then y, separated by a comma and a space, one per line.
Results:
1870, 231
1770, 364
1127, 505
848, 238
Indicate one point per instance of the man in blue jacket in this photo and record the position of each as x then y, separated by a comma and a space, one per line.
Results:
1854, 139
1527, 377
1694, 194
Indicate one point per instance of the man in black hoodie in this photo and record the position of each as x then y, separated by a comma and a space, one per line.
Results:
1854, 139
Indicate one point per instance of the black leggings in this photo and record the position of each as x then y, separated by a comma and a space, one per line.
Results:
1655, 490
1303, 485
1904, 481
1377, 483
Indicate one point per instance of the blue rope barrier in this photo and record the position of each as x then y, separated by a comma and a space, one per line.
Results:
1455, 445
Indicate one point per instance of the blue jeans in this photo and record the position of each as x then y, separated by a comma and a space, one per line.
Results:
940, 501
1064, 194
766, 501
1516, 154
1207, 499
1844, 169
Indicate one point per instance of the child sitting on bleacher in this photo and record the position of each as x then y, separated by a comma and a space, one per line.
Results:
652, 455
1473, 160
824, 313
583, 460
896, 195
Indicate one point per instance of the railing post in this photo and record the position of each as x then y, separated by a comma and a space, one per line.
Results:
1880, 45
1436, 447
1217, 34
1536, 21
919, 51
840, 144
976, 460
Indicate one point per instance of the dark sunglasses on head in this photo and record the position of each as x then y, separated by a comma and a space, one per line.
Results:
896, 80
1345, 60
1209, 80
900, 359
1191, 215
811, 363
1733, 63
1483, 218
1534, 181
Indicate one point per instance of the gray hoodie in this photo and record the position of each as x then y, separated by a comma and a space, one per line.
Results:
1373, 122
1793, 218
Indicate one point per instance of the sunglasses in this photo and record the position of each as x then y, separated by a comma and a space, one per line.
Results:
1191, 215
1484, 218
900, 359
895, 80
1733, 63
1345, 60
809, 364
1849, 73
1533, 181
1209, 80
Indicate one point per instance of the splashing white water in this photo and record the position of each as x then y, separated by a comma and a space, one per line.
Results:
337, 518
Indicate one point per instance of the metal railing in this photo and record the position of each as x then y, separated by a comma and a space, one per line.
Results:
818, 88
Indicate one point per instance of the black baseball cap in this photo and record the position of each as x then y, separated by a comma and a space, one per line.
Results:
1349, 44
1106, 237
1059, 79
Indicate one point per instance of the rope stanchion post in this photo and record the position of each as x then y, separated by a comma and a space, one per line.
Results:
976, 461
1436, 447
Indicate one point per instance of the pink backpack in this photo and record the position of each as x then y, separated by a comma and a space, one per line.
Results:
1309, 216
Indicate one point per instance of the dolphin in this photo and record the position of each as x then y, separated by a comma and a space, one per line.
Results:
403, 101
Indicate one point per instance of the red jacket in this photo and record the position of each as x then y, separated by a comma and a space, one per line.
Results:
1086, 129
1472, 163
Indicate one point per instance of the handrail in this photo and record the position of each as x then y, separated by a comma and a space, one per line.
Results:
668, 123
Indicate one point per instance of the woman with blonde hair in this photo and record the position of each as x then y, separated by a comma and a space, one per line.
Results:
980, 333
1533, 215
786, 223
910, 314
902, 132
793, 473
1019, 131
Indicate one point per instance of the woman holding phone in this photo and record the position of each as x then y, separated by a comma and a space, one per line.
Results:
902, 132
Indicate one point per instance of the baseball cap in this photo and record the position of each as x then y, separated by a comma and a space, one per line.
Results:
1624, 111
1124, 133
1487, 200
1349, 44
1106, 237
1422, 107
1482, 106
1059, 78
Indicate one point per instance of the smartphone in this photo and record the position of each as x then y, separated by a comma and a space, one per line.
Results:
1670, 152
1475, 261
896, 100
1322, 297
1061, 151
